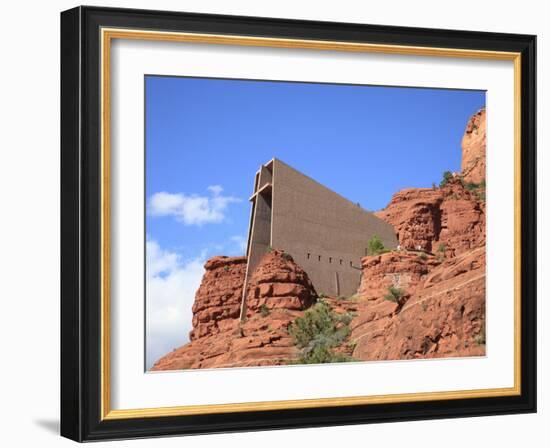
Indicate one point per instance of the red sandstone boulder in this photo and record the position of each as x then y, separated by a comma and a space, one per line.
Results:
278, 282
449, 219
415, 215
218, 300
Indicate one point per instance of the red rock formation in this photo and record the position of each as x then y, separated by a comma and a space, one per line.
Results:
415, 214
443, 317
451, 217
278, 292
473, 148
278, 282
218, 299
403, 270
442, 313
427, 218
462, 220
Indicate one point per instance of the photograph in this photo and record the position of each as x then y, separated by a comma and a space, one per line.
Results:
272, 223
291, 223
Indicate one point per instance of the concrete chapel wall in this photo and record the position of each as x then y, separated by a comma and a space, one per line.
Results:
325, 233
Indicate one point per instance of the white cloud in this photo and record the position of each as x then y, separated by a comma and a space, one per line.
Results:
192, 209
170, 287
215, 189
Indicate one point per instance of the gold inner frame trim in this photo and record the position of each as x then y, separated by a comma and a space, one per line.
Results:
107, 35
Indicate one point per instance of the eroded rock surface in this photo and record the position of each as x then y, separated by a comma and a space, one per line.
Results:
279, 290
473, 148
278, 282
218, 300
449, 219
443, 315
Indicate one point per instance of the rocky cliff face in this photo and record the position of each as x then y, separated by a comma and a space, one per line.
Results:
473, 148
400, 269
278, 292
218, 300
440, 311
438, 277
450, 219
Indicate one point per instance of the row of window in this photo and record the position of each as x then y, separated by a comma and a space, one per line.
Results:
329, 259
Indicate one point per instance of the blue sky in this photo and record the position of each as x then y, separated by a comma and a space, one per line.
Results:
205, 139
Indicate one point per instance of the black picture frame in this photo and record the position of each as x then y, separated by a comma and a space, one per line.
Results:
81, 224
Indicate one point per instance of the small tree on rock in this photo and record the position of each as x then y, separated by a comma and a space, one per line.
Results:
447, 176
375, 246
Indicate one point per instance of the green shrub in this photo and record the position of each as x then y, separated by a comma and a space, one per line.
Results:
375, 246
264, 310
478, 190
394, 294
321, 354
447, 176
318, 331
442, 248
422, 255
317, 321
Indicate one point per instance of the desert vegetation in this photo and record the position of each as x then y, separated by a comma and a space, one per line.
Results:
318, 332
375, 246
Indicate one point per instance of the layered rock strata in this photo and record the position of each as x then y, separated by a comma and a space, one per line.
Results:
218, 300
443, 314
449, 219
278, 292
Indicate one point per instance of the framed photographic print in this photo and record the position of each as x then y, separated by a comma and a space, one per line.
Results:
273, 223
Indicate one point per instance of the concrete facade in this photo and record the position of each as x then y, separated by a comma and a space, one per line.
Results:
326, 234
